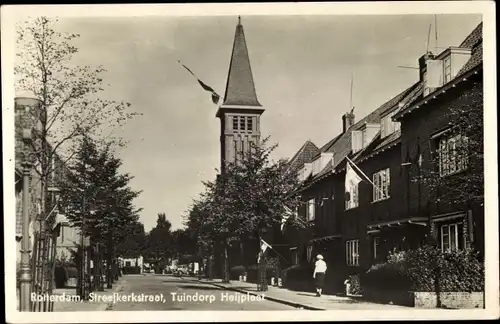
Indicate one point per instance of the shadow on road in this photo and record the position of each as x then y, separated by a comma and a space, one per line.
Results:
198, 287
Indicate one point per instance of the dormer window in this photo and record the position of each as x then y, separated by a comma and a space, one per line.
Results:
388, 126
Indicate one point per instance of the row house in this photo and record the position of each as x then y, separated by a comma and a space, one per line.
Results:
395, 207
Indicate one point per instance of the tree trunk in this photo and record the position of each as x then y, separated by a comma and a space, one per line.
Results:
262, 273
211, 263
225, 270
109, 262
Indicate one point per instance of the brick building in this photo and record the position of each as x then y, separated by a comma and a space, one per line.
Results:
394, 209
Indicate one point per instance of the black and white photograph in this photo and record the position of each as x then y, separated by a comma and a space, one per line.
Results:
183, 162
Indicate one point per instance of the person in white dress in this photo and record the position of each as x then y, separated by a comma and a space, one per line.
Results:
319, 274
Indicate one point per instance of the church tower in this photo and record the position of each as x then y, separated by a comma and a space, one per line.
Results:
240, 111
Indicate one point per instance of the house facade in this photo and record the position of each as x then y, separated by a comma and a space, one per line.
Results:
396, 205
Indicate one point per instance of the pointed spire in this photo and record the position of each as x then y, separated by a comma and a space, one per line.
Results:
240, 88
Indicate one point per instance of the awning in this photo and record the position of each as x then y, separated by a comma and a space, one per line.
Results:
325, 239
376, 227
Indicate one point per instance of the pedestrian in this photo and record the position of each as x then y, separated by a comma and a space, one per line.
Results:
319, 274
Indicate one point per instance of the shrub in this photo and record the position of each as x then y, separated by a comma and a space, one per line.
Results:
72, 272
60, 277
355, 288
427, 269
237, 271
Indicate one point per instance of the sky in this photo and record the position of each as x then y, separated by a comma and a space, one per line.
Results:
302, 68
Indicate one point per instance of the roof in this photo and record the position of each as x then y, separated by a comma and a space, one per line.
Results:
474, 42
303, 155
341, 146
240, 88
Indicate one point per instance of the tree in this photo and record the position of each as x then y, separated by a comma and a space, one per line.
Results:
70, 95
455, 172
97, 198
159, 240
248, 199
133, 242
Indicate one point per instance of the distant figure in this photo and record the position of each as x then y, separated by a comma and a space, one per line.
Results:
319, 274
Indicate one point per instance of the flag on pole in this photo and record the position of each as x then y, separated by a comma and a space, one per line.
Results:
263, 247
349, 163
352, 179
215, 96
288, 213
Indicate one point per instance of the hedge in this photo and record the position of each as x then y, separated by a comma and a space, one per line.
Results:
237, 271
427, 269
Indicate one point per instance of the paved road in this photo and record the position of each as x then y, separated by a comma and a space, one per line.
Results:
175, 293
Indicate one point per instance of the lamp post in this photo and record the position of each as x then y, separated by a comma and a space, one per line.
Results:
25, 271
23, 102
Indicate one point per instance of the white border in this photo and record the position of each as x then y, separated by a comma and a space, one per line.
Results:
486, 8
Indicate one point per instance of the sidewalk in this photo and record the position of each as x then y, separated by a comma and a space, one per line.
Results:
84, 306
305, 300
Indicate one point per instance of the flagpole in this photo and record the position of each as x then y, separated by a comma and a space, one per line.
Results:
352, 163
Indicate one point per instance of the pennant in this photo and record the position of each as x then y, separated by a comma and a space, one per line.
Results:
215, 96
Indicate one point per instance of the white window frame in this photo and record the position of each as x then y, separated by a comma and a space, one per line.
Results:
381, 184
311, 209
352, 253
449, 160
447, 69
353, 201
451, 241
295, 255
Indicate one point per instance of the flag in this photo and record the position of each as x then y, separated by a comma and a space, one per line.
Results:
264, 245
288, 213
352, 179
215, 96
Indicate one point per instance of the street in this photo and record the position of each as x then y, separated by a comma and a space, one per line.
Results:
186, 291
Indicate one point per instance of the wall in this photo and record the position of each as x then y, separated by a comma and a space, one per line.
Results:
417, 130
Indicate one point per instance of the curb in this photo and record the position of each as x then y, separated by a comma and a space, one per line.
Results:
274, 299
117, 288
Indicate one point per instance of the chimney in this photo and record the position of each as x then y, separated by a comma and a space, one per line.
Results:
422, 63
347, 121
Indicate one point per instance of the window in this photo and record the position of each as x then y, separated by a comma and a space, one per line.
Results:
242, 123
295, 256
249, 124
353, 201
376, 244
352, 252
62, 233
452, 237
381, 182
447, 69
235, 122
452, 154
311, 208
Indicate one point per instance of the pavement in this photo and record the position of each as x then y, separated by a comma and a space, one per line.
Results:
175, 293
97, 303
303, 300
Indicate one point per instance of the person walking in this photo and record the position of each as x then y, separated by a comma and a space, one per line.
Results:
319, 274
